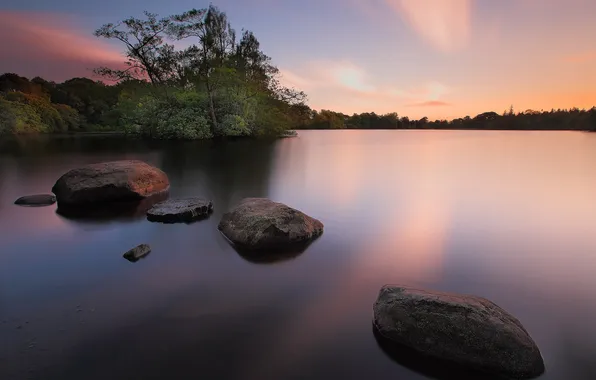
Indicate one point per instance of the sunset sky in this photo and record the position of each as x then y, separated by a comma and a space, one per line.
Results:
435, 58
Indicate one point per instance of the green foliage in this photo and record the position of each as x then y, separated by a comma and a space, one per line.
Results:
8, 117
233, 125
10, 82
93, 100
218, 86
271, 121
70, 117
228, 83
50, 117
28, 113
184, 123
19, 118
181, 116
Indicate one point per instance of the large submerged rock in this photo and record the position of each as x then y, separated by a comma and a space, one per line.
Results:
36, 200
114, 181
466, 330
259, 224
180, 210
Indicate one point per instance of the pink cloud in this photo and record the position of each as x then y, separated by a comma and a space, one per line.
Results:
50, 46
445, 24
346, 87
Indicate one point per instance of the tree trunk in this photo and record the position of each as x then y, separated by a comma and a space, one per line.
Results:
211, 108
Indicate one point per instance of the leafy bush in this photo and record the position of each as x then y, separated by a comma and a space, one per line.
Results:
185, 124
70, 117
8, 118
19, 118
49, 116
233, 125
181, 116
271, 121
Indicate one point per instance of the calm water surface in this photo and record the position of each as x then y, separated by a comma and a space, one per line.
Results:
505, 215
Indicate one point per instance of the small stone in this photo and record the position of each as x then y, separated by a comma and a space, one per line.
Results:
137, 252
180, 210
36, 200
289, 133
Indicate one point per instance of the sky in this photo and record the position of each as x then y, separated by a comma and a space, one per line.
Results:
436, 58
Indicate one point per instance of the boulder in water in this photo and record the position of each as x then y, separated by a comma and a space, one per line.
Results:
258, 224
114, 181
137, 252
465, 330
180, 210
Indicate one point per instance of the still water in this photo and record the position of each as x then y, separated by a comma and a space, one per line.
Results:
510, 216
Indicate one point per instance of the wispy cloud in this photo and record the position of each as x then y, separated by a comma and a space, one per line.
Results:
445, 24
325, 73
49, 45
346, 87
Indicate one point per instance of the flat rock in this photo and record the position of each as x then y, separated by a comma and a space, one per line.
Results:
137, 252
180, 210
110, 182
259, 224
462, 329
36, 200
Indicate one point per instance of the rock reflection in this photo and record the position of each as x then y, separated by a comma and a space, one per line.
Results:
108, 212
224, 172
271, 256
427, 366
579, 354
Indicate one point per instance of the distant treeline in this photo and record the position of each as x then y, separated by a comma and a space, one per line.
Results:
40, 106
82, 104
560, 119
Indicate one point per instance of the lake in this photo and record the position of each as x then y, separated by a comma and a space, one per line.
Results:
510, 216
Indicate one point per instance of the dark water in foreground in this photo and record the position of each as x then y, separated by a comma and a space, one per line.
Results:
505, 215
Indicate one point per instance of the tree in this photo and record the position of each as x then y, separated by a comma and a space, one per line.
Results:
147, 54
12, 82
92, 99
215, 41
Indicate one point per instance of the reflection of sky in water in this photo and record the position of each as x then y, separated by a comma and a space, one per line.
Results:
504, 215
